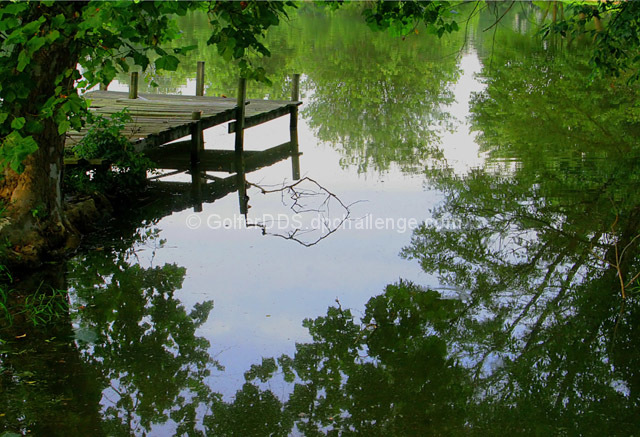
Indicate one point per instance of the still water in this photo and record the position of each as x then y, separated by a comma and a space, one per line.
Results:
474, 288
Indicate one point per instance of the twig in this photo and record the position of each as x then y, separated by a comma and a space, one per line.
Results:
298, 195
502, 16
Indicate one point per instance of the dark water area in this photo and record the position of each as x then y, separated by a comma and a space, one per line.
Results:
466, 261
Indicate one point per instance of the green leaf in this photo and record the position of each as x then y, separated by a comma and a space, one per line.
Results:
58, 20
63, 126
33, 26
23, 60
13, 8
140, 59
34, 127
168, 62
160, 51
17, 123
35, 43
185, 50
3, 116
8, 24
122, 64
52, 36
108, 72
16, 148
22, 91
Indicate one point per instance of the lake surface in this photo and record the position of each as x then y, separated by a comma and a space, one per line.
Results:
483, 280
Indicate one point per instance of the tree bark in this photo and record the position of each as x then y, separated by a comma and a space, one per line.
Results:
33, 226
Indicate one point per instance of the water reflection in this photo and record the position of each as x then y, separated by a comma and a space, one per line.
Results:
141, 341
206, 186
530, 332
124, 358
536, 332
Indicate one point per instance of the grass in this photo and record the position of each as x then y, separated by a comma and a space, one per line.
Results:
40, 307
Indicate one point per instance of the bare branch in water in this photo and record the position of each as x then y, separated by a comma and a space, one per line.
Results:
316, 199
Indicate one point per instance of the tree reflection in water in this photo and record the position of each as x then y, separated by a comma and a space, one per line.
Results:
532, 335
539, 340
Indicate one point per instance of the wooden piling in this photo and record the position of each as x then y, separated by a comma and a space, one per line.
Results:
133, 85
239, 146
200, 79
240, 111
293, 128
197, 141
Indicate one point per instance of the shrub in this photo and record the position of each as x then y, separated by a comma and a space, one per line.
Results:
125, 169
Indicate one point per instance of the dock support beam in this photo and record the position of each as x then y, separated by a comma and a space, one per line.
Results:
133, 85
197, 140
200, 79
293, 128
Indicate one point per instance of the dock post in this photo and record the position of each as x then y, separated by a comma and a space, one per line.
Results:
293, 128
295, 87
240, 110
197, 141
200, 79
133, 85
239, 146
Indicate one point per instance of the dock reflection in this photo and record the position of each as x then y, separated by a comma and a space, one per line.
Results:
206, 187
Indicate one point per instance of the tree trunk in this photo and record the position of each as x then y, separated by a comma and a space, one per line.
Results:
33, 226
34, 223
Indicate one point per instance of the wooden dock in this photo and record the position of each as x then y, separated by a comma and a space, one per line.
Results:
158, 121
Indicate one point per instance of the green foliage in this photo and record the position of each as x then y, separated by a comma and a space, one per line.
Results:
530, 336
535, 257
5, 289
614, 29
15, 148
238, 27
388, 374
40, 307
44, 45
127, 169
385, 121
253, 412
127, 329
403, 17
141, 337
44, 306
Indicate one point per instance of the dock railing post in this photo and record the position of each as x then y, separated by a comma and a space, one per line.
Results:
200, 79
197, 140
133, 85
293, 127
